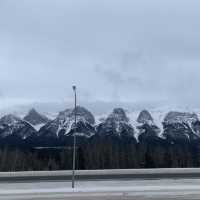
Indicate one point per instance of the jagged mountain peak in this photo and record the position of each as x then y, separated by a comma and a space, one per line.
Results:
147, 128
12, 125
64, 123
119, 115
9, 119
116, 124
82, 114
180, 117
33, 111
145, 117
35, 118
181, 126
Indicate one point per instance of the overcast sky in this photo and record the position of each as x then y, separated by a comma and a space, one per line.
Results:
113, 50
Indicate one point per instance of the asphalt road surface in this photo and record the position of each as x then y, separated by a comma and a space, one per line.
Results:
154, 189
83, 175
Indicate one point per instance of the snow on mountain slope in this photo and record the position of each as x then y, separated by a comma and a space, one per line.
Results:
64, 123
117, 123
38, 126
12, 125
120, 120
181, 125
9, 120
180, 117
141, 119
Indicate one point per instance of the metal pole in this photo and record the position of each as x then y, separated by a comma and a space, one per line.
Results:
74, 147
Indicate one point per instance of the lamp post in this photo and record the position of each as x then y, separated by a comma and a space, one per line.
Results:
74, 145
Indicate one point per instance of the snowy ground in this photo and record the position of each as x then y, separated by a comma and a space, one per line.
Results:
109, 190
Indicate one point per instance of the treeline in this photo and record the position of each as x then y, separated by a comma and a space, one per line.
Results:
104, 153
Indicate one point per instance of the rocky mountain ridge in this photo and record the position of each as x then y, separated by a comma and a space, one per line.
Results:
35, 118
175, 125
117, 123
11, 125
64, 123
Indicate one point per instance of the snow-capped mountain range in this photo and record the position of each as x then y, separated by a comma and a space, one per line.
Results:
142, 124
64, 123
12, 125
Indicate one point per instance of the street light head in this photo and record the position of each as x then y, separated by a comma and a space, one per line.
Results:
74, 87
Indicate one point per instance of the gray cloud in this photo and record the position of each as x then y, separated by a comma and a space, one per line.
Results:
120, 50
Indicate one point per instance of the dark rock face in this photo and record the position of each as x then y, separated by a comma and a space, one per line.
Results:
82, 129
148, 132
11, 125
181, 126
119, 115
51, 129
145, 117
117, 124
180, 117
34, 118
196, 127
63, 125
147, 129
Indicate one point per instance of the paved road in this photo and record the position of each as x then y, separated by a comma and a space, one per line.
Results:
148, 184
103, 190
83, 175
